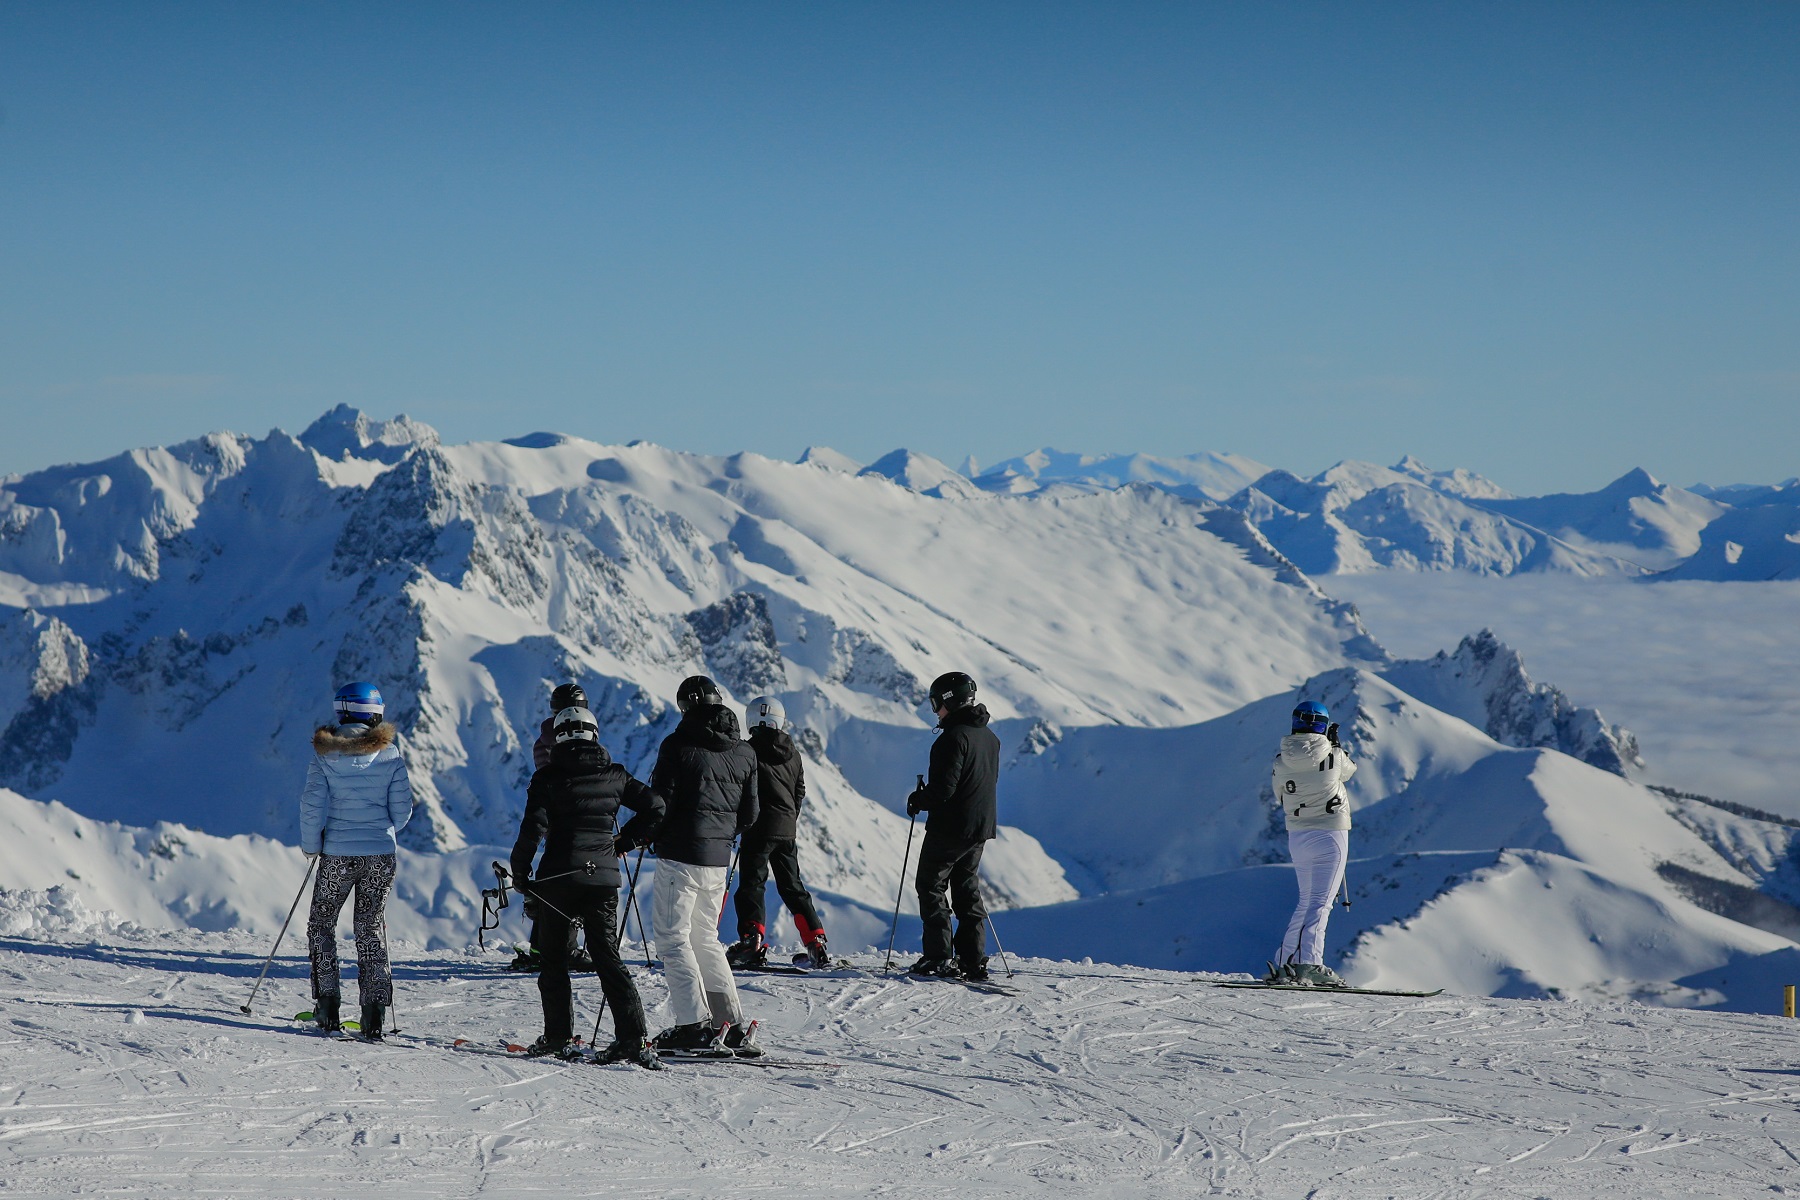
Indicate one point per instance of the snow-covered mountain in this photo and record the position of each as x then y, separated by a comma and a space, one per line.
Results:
1208, 475
1758, 539
1635, 517
1358, 517
228, 582
177, 619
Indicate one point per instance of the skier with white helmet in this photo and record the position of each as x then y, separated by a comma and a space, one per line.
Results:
357, 797
572, 809
772, 842
1309, 775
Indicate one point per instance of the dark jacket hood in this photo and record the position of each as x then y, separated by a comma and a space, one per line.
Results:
583, 756
709, 726
772, 745
968, 714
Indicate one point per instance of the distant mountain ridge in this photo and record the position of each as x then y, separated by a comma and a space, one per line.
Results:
1357, 516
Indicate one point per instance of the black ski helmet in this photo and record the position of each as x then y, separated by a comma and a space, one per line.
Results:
696, 690
952, 690
567, 695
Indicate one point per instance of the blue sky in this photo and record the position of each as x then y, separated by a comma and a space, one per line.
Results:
1547, 242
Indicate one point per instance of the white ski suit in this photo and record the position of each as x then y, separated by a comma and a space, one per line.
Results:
1309, 777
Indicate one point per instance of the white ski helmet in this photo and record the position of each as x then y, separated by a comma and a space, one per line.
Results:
764, 710
575, 725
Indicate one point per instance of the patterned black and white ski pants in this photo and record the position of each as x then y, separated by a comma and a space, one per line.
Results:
370, 876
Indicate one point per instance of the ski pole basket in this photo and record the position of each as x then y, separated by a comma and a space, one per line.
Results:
494, 901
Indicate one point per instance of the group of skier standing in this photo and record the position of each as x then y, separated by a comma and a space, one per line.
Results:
709, 791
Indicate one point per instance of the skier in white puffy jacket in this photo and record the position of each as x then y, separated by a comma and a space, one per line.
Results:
1310, 771
357, 798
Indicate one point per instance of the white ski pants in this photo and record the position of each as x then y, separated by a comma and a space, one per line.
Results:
1319, 856
685, 910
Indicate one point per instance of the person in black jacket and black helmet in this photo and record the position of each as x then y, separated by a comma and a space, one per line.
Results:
708, 778
780, 791
531, 957
960, 794
572, 807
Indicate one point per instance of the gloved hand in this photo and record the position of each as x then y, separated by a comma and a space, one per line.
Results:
915, 803
1331, 733
621, 847
310, 854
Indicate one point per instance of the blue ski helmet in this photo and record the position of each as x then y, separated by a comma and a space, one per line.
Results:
358, 703
1310, 717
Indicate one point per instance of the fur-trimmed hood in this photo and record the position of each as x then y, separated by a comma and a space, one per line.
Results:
354, 739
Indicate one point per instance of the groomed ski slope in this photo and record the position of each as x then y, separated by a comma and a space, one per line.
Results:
130, 1071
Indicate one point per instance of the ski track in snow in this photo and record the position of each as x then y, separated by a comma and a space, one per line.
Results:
132, 1072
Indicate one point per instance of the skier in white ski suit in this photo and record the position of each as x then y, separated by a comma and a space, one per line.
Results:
1309, 775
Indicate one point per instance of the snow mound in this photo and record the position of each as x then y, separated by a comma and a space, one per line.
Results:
56, 914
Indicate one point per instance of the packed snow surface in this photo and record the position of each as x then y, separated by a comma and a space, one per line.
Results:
131, 1071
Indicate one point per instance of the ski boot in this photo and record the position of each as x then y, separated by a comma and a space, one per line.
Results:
974, 969
942, 968
818, 957
580, 960
641, 1052
695, 1038
747, 952
373, 1016
741, 1040
547, 1045
527, 961
326, 1013
1319, 976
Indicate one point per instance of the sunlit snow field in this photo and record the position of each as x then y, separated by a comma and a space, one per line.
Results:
131, 1072
1706, 674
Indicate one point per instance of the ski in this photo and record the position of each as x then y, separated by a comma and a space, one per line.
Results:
801, 965
504, 1049
986, 987
778, 1064
1259, 986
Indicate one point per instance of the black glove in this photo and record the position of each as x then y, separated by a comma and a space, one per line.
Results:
529, 903
621, 848
915, 803
1331, 733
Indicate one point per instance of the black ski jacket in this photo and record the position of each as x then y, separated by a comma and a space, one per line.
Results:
961, 792
780, 785
572, 807
708, 778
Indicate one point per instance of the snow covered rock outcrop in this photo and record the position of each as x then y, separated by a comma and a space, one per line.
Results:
1484, 682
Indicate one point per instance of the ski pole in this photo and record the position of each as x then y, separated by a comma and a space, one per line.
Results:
630, 898
726, 898
310, 864
900, 891
996, 933
643, 938
393, 1009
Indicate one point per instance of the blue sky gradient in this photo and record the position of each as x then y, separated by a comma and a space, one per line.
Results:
1547, 242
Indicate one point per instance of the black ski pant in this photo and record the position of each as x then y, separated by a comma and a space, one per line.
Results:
755, 859
597, 908
958, 865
